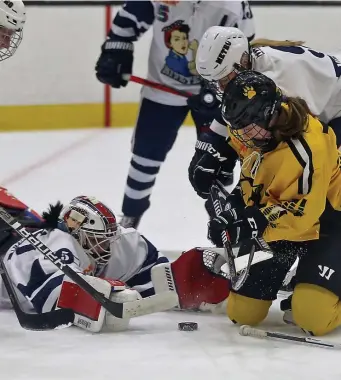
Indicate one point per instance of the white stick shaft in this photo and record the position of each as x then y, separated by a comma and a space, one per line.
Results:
257, 333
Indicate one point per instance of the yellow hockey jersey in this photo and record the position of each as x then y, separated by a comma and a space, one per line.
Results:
293, 184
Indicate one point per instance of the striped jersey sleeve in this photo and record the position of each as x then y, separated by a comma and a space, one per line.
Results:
142, 281
131, 261
132, 20
36, 278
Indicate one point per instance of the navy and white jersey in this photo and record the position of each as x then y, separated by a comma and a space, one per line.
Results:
177, 30
38, 281
303, 72
132, 258
36, 278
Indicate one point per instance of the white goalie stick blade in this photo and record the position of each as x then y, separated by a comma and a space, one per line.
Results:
149, 305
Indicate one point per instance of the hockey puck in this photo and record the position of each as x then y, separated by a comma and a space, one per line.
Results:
187, 326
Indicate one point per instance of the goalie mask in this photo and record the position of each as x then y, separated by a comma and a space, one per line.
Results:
251, 101
93, 225
12, 20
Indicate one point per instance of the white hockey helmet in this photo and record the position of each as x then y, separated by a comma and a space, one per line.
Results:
93, 225
12, 20
220, 51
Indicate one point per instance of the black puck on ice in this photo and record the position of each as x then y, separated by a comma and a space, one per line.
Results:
187, 326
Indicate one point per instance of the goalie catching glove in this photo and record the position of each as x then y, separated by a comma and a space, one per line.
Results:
89, 314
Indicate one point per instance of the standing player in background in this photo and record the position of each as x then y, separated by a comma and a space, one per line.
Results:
12, 20
177, 29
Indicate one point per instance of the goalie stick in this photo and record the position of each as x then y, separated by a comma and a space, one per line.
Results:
124, 310
39, 322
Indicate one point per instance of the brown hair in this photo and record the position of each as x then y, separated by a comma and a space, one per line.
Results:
266, 42
293, 119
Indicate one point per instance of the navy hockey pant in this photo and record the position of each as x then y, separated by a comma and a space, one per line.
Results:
155, 133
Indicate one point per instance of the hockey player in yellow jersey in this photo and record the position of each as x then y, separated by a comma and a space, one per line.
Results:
289, 194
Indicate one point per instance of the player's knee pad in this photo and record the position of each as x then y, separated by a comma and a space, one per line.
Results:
315, 309
246, 310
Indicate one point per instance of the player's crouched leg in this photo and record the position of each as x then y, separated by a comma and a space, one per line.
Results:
247, 310
316, 309
316, 305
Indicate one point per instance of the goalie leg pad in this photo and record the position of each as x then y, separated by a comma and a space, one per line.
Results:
197, 287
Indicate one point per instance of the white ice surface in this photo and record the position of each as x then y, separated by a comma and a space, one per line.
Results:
43, 167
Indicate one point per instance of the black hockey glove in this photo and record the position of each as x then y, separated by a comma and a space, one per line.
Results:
115, 63
210, 162
234, 200
242, 224
205, 107
205, 103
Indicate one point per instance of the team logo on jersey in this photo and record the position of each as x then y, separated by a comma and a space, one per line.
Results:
180, 61
249, 92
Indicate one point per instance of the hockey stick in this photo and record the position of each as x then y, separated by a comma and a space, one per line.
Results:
257, 333
260, 241
39, 322
159, 86
237, 280
124, 310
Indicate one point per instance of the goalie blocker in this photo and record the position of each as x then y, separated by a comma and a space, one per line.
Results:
90, 315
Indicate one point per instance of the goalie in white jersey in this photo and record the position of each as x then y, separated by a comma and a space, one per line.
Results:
177, 29
297, 70
84, 235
